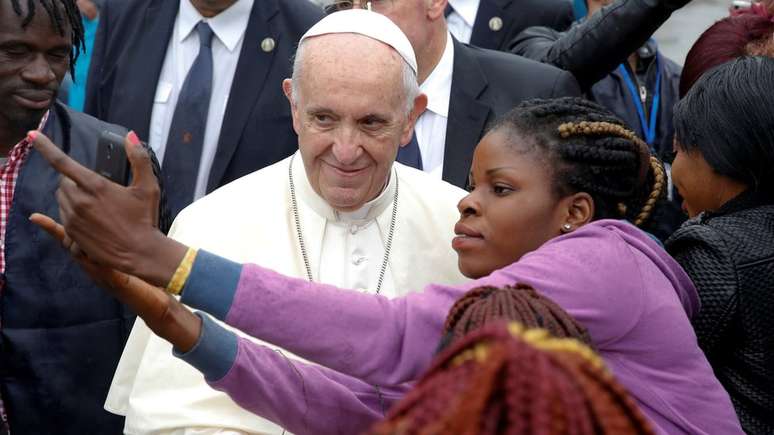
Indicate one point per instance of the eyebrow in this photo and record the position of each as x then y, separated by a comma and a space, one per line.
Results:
499, 169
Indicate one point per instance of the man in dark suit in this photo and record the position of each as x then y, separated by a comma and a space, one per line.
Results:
494, 23
467, 87
223, 61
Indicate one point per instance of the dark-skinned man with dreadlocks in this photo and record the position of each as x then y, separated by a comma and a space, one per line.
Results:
61, 336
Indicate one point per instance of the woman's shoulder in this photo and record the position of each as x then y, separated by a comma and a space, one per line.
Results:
744, 235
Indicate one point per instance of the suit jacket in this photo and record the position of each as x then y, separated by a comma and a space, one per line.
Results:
129, 52
517, 15
487, 84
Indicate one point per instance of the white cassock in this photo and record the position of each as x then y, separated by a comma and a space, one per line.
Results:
251, 220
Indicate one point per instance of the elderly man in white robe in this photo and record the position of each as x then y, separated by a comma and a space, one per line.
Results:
339, 211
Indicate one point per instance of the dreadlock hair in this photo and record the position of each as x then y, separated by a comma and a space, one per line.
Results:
61, 13
592, 151
521, 303
507, 379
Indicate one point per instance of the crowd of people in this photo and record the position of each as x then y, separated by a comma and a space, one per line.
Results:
385, 217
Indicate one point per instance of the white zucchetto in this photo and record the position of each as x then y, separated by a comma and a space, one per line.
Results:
371, 24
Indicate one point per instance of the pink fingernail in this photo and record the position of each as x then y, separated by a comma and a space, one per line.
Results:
133, 139
31, 135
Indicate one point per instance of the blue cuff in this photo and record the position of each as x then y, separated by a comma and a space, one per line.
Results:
215, 351
212, 284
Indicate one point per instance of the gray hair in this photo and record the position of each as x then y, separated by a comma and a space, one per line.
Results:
410, 84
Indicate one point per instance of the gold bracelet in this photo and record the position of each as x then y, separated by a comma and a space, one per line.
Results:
182, 272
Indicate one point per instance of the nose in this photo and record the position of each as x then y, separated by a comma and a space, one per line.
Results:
346, 148
469, 206
39, 71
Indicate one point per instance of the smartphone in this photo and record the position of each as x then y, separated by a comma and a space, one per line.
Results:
111, 158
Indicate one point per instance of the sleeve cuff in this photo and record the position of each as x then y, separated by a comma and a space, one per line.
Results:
212, 284
215, 351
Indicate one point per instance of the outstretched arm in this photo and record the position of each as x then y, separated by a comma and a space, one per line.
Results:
593, 48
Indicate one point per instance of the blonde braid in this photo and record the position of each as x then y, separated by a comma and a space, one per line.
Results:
659, 183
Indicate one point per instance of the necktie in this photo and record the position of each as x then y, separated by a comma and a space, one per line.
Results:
186, 133
410, 155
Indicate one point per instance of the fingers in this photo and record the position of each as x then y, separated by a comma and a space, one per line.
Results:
139, 160
62, 162
49, 225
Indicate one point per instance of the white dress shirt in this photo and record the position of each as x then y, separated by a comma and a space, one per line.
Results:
431, 125
462, 19
229, 30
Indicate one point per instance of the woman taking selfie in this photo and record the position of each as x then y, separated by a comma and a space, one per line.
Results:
555, 185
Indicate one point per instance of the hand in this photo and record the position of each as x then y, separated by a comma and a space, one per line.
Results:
163, 314
115, 226
88, 9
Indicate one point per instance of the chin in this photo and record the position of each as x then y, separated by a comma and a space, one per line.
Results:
471, 270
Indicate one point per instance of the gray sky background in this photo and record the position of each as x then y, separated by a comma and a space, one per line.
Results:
677, 35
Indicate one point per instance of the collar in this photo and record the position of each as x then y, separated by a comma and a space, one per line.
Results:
24, 144
369, 211
467, 9
229, 26
437, 86
748, 199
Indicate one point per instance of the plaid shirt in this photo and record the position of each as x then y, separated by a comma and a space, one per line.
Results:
8, 174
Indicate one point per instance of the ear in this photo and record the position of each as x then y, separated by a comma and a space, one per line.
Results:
287, 89
578, 210
436, 9
420, 104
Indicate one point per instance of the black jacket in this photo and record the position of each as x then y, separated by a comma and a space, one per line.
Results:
596, 46
485, 85
129, 52
729, 255
62, 336
516, 15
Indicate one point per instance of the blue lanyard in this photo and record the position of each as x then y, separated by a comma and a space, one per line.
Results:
648, 129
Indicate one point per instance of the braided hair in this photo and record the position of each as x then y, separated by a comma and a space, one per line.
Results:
521, 303
63, 14
507, 379
591, 151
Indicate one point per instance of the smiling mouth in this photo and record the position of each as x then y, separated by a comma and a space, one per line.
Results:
346, 172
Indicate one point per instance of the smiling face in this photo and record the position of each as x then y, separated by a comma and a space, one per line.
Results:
33, 61
512, 208
350, 115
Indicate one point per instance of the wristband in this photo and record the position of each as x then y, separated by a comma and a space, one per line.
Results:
182, 272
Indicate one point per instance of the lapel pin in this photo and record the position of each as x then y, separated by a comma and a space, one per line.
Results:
268, 45
496, 23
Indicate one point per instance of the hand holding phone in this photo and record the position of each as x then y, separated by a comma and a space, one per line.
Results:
111, 160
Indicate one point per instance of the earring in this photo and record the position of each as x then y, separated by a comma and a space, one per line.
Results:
566, 228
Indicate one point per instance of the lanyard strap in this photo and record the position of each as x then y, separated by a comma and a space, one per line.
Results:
648, 128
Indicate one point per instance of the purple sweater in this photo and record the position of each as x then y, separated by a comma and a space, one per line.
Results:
632, 296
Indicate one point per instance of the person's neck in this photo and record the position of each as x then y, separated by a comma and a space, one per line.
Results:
9, 138
211, 8
429, 57
633, 60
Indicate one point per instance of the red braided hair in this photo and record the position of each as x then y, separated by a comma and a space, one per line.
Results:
505, 379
